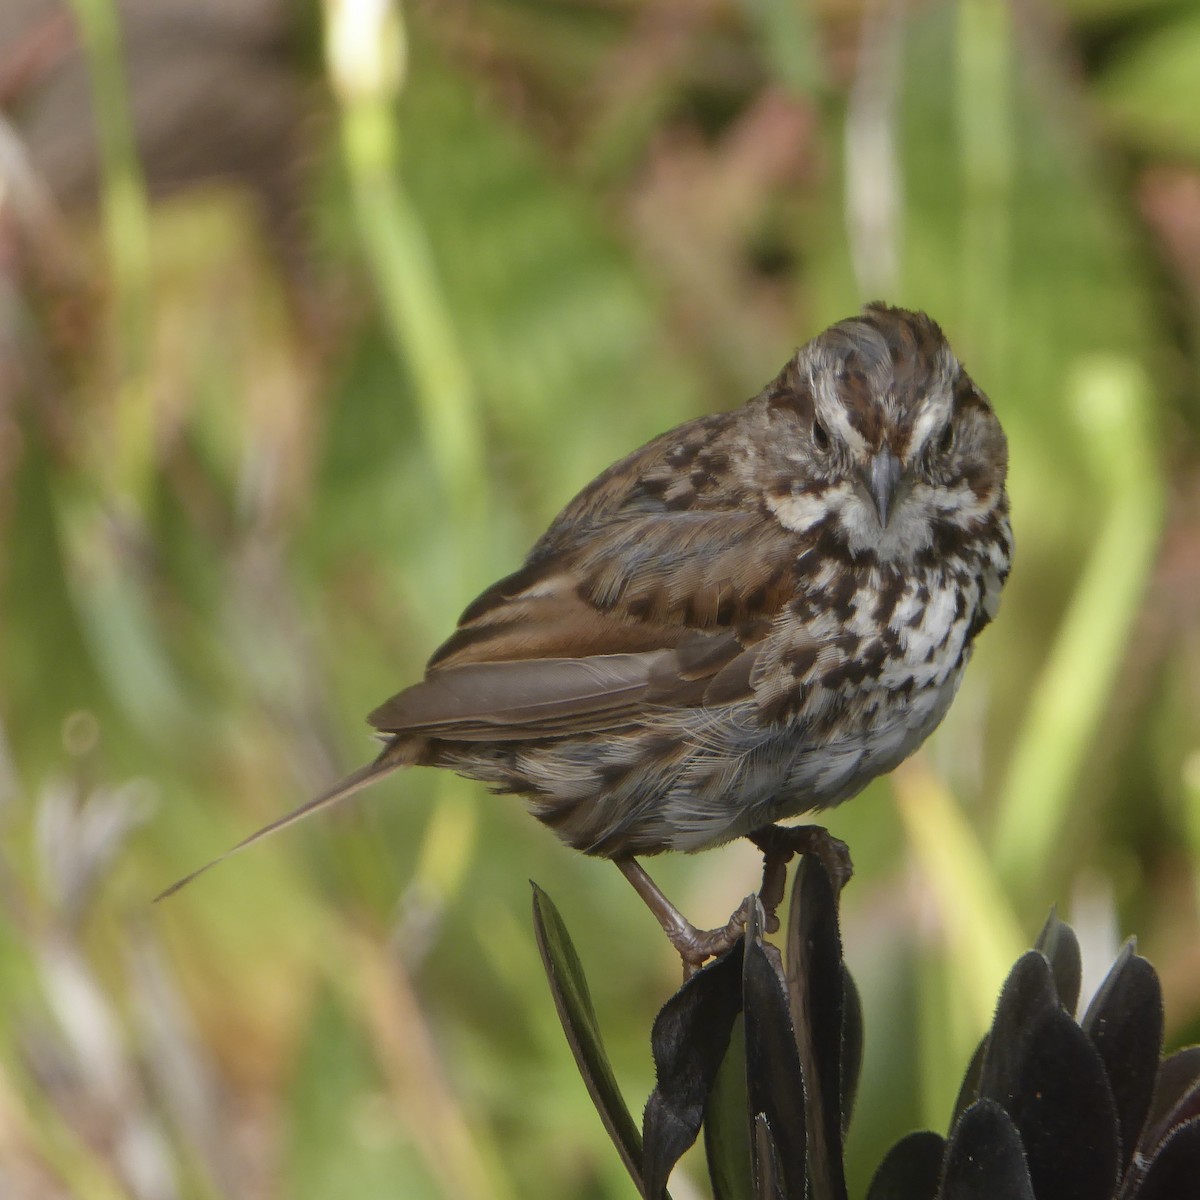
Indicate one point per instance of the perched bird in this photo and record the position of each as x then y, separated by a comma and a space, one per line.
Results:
749, 618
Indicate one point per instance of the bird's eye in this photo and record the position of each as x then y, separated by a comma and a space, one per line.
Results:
820, 436
946, 441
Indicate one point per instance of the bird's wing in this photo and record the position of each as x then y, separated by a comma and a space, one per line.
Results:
546, 697
656, 586
673, 618
665, 611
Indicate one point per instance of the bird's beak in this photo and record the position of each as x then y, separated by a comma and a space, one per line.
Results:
883, 481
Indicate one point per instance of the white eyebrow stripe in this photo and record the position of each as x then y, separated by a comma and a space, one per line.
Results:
932, 418
831, 410
935, 413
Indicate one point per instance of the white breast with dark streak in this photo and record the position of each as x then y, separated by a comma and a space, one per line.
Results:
845, 734
876, 687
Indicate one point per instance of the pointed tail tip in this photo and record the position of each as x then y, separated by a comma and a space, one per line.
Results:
180, 884
171, 890
339, 791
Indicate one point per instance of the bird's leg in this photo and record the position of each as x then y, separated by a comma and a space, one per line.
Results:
695, 946
779, 843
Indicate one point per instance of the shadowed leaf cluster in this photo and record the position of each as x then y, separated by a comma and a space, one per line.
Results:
762, 1053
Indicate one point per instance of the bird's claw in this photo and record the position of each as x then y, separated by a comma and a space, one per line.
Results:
696, 946
779, 844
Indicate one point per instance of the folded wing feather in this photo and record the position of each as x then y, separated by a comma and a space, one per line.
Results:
518, 699
530, 698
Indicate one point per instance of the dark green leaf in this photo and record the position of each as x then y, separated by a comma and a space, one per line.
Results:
689, 1040
984, 1159
1176, 1097
1028, 995
1125, 1023
968, 1091
1058, 943
574, 1004
727, 1124
911, 1168
852, 1045
767, 1173
1174, 1172
773, 1076
814, 964
1064, 1111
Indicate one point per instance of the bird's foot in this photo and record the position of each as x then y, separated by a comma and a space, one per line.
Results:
694, 946
779, 843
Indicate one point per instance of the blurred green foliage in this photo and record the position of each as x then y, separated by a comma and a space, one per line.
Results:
263, 432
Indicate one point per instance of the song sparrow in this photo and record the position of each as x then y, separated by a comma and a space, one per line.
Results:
749, 618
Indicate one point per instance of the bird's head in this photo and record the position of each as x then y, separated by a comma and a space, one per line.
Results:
875, 432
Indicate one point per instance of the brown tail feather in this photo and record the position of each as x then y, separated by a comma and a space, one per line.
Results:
387, 762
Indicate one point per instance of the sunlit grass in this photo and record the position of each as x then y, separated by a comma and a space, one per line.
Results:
1110, 401
365, 48
123, 459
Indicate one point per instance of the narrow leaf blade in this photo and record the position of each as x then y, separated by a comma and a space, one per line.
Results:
578, 1017
774, 1079
727, 1141
852, 1045
814, 964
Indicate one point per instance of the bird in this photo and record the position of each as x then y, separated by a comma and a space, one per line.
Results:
747, 619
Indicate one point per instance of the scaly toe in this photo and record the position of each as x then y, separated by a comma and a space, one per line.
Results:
697, 946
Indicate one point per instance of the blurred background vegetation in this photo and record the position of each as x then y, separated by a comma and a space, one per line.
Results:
312, 317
